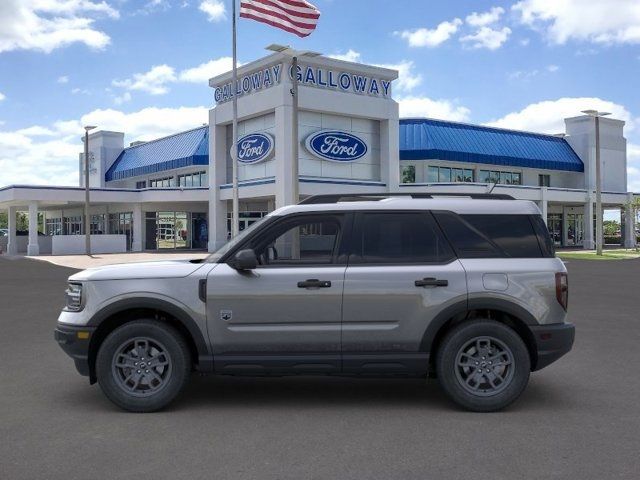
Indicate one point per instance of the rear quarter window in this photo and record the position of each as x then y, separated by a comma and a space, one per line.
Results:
494, 235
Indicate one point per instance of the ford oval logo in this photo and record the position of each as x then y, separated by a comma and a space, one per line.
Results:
255, 147
336, 146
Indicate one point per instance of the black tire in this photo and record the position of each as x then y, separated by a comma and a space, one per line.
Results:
134, 390
475, 342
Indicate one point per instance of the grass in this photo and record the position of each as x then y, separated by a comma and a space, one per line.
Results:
618, 254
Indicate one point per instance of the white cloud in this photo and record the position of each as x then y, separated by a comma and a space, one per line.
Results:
526, 75
214, 10
154, 81
407, 78
486, 18
203, 72
49, 154
553, 68
548, 116
2, 96
597, 21
82, 91
424, 37
63, 79
45, 25
525, 41
349, 56
488, 38
124, 98
414, 106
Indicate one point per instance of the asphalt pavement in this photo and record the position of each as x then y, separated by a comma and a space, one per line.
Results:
578, 419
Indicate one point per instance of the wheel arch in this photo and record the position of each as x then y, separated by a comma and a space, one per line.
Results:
123, 311
503, 311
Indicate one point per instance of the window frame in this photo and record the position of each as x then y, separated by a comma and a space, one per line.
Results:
282, 224
358, 222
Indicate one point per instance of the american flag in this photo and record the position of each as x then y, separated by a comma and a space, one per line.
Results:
295, 16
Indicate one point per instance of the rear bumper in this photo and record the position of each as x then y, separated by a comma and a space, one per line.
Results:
552, 342
74, 345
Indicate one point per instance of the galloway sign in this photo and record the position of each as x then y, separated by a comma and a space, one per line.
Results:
264, 78
255, 147
336, 146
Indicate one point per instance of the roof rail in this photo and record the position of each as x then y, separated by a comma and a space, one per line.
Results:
363, 197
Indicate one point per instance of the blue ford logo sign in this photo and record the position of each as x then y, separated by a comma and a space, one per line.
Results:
336, 146
255, 147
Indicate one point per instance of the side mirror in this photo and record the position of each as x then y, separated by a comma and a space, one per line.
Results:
245, 260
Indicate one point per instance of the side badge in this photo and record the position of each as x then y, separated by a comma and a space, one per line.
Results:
226, 315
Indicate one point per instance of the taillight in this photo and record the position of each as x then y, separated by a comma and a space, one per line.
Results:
562, 289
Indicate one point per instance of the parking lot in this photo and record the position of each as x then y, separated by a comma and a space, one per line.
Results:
578, 419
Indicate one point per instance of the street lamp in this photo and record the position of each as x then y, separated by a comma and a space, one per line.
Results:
294, 54
596, 114
87, 217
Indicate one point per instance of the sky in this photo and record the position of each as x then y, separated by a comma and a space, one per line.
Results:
142, 66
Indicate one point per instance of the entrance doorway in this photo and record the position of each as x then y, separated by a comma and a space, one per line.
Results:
245, 220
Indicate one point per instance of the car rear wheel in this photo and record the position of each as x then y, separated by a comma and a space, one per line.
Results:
483, 365
143, 365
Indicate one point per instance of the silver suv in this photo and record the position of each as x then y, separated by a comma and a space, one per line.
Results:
466, 289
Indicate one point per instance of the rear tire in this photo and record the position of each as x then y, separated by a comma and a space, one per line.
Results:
143, 365
483, 365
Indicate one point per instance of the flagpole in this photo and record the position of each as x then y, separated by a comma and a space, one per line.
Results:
295, 191
235, 220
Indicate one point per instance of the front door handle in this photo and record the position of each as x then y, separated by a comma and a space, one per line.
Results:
314, 283
431, 282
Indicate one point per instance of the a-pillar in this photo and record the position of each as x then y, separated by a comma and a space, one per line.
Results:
589, 242
629, 224
12, 246
136, 244
32, 247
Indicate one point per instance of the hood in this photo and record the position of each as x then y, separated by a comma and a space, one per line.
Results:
131, 271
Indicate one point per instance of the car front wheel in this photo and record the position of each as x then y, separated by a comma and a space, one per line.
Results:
483, 365
143, 365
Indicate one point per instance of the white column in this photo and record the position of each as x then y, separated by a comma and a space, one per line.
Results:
565, 227
32, 247
542, 204
218, 152
390, 151
630, 224
12, 246
284, 158
136, 244
589, 242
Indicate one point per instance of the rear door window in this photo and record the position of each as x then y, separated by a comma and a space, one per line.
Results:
399, 238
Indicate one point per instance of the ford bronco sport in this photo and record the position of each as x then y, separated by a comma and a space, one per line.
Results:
465, 289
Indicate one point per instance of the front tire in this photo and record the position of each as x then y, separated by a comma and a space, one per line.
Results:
143, 365
483, 365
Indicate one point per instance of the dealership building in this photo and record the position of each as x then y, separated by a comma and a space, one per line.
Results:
175, 193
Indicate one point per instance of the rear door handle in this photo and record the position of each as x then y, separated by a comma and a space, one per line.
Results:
431, 282
314, 283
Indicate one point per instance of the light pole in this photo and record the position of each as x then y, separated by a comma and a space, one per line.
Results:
294, 54
87, 217
596, 114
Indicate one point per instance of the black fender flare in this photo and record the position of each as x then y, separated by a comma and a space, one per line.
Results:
465, 306
205, 359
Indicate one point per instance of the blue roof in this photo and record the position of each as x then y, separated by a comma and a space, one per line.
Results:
180, 150
427, 139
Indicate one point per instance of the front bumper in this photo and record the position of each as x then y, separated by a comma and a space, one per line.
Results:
552, 342
75, 343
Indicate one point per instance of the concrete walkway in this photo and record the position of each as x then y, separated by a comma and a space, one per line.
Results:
83, 261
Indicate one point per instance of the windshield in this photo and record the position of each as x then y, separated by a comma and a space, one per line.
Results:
231, 244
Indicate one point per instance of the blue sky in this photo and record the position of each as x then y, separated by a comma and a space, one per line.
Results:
142, 66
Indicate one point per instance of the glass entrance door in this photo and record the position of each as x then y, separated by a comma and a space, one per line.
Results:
554, 225
575, 229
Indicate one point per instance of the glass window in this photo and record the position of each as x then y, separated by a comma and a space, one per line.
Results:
514, 234
484, 176
302, 241
409, 174
468, 175
432, 175
467, 241
516, 178
544, 180
445, 175
411, 237
204, 179
505, 178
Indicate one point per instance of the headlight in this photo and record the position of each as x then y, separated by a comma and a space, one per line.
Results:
74, 297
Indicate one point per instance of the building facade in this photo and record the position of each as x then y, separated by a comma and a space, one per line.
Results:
175, 193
